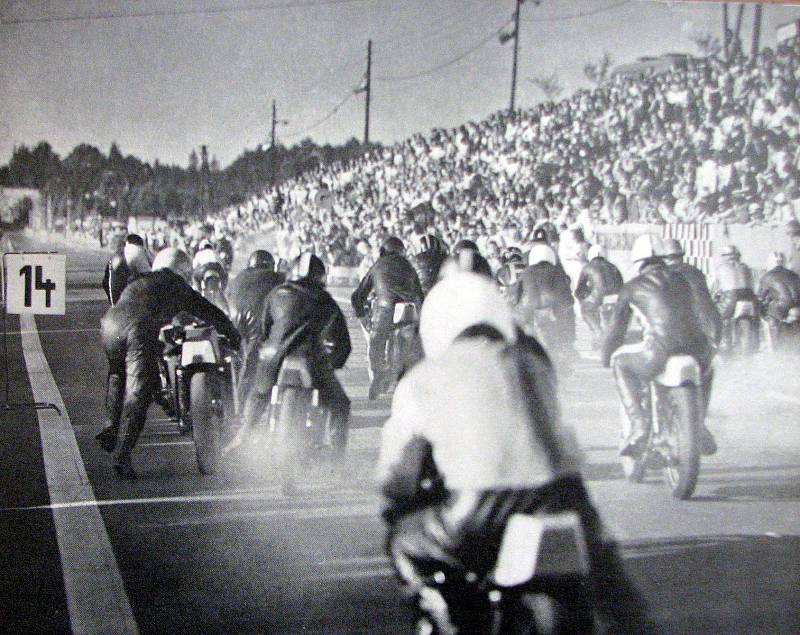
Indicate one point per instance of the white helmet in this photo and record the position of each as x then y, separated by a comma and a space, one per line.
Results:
136, 258
542, 253
175, 260
596, 251
776, 259
646, 246
461, 300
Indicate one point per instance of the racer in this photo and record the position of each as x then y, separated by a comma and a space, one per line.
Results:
301, 316
129, 331
246, 294
430, 252
710, 319
391, 280
778, 293
544, 287
474, 437
662, 300
129, 261
733, 281
207, 259
598, 278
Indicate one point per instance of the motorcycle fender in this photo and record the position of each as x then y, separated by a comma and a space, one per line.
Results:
198, 352
541, 545
680, 370
744, 308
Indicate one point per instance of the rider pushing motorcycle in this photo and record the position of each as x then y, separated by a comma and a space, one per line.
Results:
598, 279
129, 332
389, 281
733, 281
778, 292
300, 316
474, 438
662, 300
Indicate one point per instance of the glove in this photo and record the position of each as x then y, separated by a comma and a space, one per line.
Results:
235, 339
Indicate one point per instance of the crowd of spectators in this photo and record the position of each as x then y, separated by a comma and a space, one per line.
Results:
705, 141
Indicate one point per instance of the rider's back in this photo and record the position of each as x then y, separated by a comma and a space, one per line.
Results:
543, 286
731, 276
598, 278
781, 285
427, 265
701, 297
393, 279
248, 290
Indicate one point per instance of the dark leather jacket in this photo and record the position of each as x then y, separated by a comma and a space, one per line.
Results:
662, 299
115, 277
779, 290
707, 311
153, 299
427, 265
541, 286
598, 278
391, 279
246, 295
306, 305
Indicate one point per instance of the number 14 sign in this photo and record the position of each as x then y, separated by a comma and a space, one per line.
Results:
36, 283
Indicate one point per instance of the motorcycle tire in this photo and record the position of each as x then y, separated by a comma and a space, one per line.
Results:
633, 469
286, 444
205, 395
681, 424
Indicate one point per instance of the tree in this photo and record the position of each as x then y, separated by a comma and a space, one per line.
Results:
548, 84
597, 71
708, 45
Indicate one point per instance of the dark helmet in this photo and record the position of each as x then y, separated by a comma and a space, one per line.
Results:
392, 245
463, 244
546, 233
261, 259
430, 242
511, 254
134, 239
307, 266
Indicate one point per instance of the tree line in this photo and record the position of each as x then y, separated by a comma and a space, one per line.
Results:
113, 185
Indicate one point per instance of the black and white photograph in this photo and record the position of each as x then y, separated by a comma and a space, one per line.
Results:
400, 316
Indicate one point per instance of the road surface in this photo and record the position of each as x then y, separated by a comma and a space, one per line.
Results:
175, 551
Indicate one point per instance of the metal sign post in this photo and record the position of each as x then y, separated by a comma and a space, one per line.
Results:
34, 283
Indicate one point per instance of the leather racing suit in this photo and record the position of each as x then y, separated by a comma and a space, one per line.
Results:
733, 281
597, 279
246, 296
778, 291
662, 300
542, 287
129, 332
390, 280
427, 264
707, 312
301, 317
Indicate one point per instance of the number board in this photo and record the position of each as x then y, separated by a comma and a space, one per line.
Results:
36, 283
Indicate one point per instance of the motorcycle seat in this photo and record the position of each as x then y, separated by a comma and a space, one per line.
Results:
680, 370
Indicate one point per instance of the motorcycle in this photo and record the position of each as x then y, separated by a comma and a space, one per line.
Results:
211, 288
782, 332
199, 380
538, 583
743, 328
299, 427
607, 310
676, 406
400, 347
546, 330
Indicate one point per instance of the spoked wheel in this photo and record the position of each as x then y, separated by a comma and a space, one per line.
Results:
681, 420
286, 438
633, 469
206, 408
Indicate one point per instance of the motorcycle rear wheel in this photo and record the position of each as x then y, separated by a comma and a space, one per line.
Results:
745, 336
286, 442
206, 412
680, 427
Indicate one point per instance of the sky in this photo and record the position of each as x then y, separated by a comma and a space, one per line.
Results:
160, 85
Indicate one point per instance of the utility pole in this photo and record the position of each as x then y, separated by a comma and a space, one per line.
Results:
367, 88
516, 53
275, 122
756, 34
725, 40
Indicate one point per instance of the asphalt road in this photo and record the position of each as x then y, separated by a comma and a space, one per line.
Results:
229, 554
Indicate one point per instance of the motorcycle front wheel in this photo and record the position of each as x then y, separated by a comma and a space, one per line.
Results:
206, 409
680, 427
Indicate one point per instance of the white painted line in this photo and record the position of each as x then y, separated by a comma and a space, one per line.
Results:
90, 330
96, 596
256, 495
160, 443
378, 572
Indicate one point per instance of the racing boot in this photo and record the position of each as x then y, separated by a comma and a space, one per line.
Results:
708, 445
107, 438
630, 394
636, 442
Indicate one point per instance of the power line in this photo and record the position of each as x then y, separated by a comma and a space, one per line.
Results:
573, 16
450, 62
179, 12
319, 122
